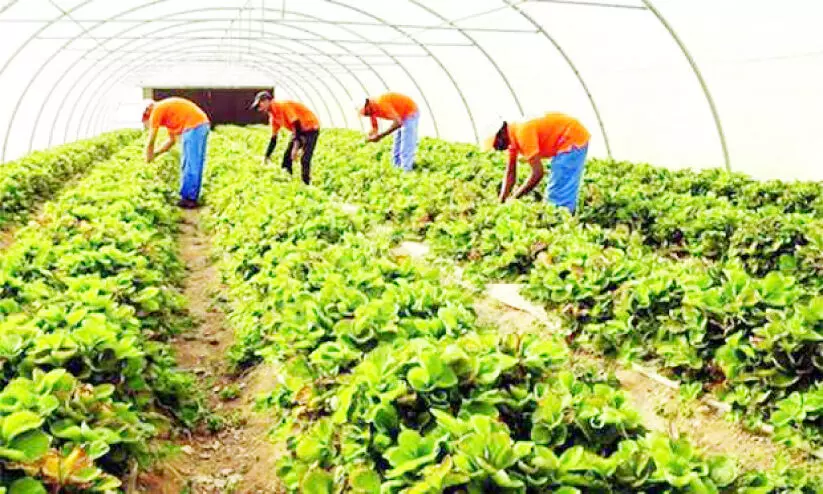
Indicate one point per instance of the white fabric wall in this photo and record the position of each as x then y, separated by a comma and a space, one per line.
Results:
762, 61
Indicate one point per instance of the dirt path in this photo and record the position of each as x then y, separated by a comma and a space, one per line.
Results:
239, 458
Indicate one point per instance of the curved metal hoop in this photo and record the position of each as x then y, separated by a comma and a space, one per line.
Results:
306, 76
155, 2
705, 87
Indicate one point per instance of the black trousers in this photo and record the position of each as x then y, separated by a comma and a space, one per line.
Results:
308, 140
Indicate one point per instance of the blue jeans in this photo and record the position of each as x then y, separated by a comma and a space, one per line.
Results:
192, 161
405, 143
564, 183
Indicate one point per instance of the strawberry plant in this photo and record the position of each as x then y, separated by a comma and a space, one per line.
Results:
388, 382
88, 298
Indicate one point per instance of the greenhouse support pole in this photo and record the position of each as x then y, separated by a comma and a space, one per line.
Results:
700, 79
431, 55
482, 50
542, 30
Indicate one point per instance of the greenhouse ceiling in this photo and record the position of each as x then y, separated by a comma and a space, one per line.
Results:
702, 83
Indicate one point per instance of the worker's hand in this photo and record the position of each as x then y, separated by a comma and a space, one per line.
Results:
266, 161
373, 137
296, 151
149, 155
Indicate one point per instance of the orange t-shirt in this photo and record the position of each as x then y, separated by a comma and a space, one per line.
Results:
177, 114
391, 106
283, 114
546, 136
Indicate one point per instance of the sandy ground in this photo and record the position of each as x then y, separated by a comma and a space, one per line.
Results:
239, 458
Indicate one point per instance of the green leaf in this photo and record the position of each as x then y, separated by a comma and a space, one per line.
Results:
365, 481
309, 450
418, 378
27, 485
31, 445
317, 482
723, 471
20, 422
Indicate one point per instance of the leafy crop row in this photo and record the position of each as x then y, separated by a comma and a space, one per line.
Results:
32, 178
86, 300
460, 189
739, 189
765, 240
756, 340
389, 384
709, 214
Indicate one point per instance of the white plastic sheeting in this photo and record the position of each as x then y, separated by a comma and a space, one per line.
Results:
668, 82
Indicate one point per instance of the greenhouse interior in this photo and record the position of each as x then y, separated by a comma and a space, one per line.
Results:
411, 246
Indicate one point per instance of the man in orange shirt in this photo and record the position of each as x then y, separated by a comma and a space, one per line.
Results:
300, 121
181, 117
403, 113
558, 137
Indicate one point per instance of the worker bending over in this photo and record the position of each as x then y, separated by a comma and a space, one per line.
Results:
181, 117
556, 136
403, 113
300, 121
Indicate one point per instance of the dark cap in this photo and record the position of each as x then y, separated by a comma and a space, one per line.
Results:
262, 95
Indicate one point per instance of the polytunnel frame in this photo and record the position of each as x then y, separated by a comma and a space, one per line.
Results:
91, 122
258, 66
382, 22
516, 7
319, 93
142, 6
320, 53
88, 116
265, 55
472, 43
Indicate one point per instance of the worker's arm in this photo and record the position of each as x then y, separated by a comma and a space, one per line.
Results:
166, 146
396, 124
389, 114
150, 144
296, 148
509, 178
270, 148
534, 179
275, 129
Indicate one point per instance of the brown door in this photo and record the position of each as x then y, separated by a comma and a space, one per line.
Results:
222, 105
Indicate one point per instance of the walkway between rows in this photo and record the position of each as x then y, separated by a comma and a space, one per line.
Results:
239, 458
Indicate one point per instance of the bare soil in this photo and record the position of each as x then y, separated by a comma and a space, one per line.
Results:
239, 458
